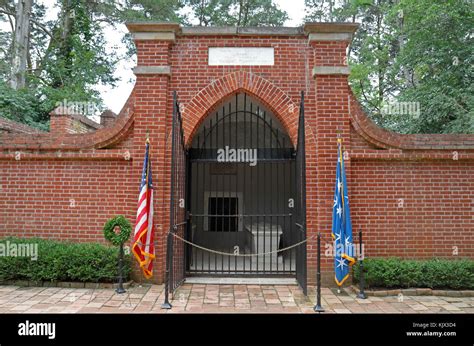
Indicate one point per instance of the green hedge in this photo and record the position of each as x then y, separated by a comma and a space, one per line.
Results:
402, 273
63, 261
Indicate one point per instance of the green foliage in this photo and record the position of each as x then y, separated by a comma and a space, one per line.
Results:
400, 273
125, 230
76, 59
418, 51
21, 106
439, 56
69, 57
63, 261
148, 10
237, 12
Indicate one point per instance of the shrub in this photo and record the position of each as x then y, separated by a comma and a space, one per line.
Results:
401, 273
63, 261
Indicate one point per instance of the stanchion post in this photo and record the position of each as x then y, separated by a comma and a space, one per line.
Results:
166, 304
361, 294
318, 307
120, 288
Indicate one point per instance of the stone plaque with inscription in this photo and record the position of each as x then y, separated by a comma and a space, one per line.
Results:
244, 56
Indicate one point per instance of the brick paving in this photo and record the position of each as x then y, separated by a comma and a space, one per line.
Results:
198, 298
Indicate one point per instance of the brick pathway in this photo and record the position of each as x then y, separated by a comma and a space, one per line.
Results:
217, 298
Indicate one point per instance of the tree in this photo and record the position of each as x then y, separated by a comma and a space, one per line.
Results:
64, 58
438, 55
415, 52
20, 44
237, 12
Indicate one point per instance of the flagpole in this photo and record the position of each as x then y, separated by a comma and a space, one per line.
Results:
318, 307
150, 228
339, 148
361, 294
339, 144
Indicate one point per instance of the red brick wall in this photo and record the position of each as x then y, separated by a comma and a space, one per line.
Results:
102, 169
64, 199
414, 209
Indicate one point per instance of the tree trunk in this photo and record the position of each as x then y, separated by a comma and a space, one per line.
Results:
20, 44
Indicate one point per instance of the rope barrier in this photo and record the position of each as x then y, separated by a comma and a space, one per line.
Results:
240, 255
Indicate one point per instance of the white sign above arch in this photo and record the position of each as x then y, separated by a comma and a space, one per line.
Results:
241, 56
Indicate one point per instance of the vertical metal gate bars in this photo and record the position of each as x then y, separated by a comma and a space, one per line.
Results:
301, 199
178, 215
237, 207
233, 206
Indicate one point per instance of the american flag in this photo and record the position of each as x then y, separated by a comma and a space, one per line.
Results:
143, 247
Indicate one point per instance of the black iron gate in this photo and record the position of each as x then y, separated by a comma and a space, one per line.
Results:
237, 191
301, 199
176, 256
242, 193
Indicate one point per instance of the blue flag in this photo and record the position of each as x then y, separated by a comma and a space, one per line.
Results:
341, 224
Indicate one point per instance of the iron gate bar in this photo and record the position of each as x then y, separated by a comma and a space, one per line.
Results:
245, 141
252, 172
301, 273
176, 252
236, 179
188, 208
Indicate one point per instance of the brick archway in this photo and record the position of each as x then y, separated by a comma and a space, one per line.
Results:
273, 97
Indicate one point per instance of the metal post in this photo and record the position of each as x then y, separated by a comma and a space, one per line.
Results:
166, 304
120, 288
361, 293
169, 241
318, 307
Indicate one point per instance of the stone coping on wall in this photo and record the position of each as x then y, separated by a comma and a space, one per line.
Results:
168, 31
147, 70
414, 292
100, 138
407, 144
11, 126
331, 70
65, 154
64, 112
412, 155
240, 31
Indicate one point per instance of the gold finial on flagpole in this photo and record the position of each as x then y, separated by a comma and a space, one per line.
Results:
339, 136
147, 136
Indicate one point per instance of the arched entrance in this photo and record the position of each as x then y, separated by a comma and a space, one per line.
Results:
242, 192
237, 195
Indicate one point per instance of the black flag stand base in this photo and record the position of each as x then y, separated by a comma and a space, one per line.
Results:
318, 307
166, 304
120, 288
361, 294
